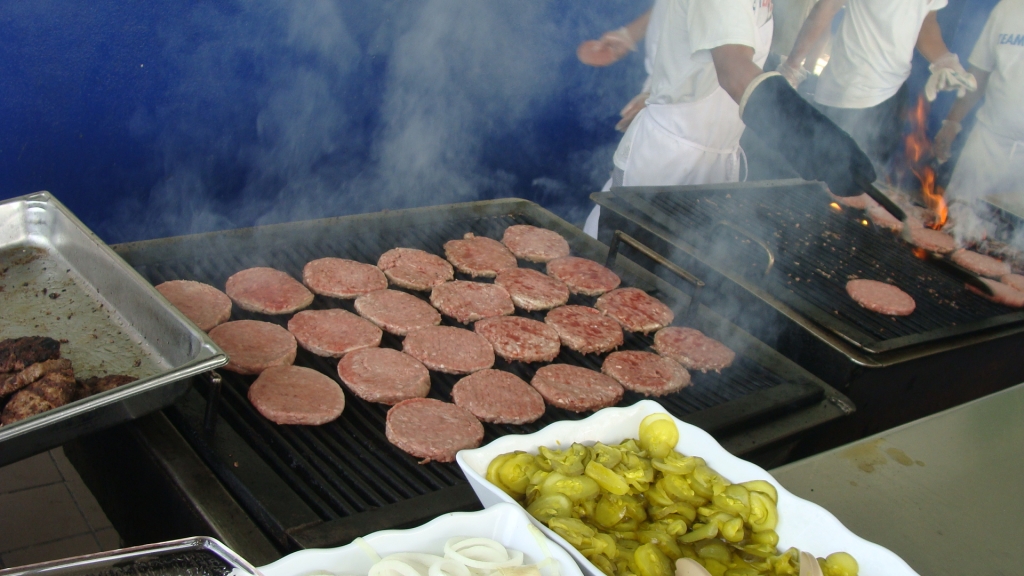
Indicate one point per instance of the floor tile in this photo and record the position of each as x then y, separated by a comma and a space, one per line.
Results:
87, 503
108, 539
56, 550
38, 470
42, 514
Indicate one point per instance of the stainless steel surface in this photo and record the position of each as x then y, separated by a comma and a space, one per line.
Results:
942, 492
57, 279
176, 557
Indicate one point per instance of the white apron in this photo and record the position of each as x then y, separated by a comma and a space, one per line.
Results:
989, 164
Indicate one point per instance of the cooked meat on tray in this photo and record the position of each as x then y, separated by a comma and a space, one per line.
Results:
18, 353
479, 256
585, 329
646, 372
431, 429
1015, 281
396, 312
583, 276
692, 349
333, 333
341, 278
1001, 294
267, 291
635, 309
98, 384
296, 395
499, 397
49, 386
980, 263
881, 297
384, 375
201, 303
534, 244
254, 346
517, 338
449, 349
532, 290
576, 388
933, 240
471, 301
415, 269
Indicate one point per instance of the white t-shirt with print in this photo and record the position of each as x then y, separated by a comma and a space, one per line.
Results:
872, 51
1000, 50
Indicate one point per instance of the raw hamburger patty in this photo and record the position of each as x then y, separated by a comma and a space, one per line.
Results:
635, 309
479, 256
499, 397
518, 338
397, 312
254, 346
296, 395
980, 263
449, 349
414, 269
933, 240
470, 301
333, 333
341, 278
384, 375
267, 291
532, 290
860, 202
576, 388
880, 297
431, 429
1015, 281
1001, 294
585, 329
583, 276
534, 244
201, 303
645, 372
881, 217
692, 349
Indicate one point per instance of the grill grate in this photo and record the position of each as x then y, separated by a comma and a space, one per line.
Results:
348, 467
817, 250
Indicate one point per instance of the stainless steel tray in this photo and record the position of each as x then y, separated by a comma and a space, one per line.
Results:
200, 556
60, 280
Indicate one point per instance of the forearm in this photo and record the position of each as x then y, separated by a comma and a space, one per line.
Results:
814, 28
929, 41
735, 66
963, 106
637, 29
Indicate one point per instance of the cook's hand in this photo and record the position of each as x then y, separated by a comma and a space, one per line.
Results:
610, 48
638, 103
944, 140
792, 75
948, 74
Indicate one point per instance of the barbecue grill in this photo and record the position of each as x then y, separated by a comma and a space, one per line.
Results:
320, 486
777, 255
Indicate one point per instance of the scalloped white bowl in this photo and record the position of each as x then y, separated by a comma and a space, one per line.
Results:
802, 524
508, 524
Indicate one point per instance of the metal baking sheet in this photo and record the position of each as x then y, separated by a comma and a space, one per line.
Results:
200, 556
58, 279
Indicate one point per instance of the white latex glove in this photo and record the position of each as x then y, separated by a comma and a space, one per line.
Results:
792, 75
638, 103
948, 74
944, 140
619, 40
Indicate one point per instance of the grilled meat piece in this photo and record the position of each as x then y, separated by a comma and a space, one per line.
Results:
16, 354
55, 388
11, 383
98, 384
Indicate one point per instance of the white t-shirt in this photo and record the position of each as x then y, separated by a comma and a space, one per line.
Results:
1000, 50
872, 52
682, 69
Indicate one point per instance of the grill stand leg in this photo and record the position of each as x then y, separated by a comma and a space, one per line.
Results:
212, 401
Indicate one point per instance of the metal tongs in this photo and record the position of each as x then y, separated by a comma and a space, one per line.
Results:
954, 269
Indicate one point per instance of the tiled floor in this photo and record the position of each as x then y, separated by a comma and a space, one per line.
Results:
47, 513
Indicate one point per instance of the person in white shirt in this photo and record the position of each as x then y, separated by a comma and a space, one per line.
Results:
992, 161
862, 88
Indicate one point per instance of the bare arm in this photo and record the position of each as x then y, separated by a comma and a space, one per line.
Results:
817, 25
736, 69
964, 105
637, 29
929, 40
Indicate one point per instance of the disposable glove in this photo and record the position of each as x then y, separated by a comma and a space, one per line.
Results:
944, 139
948, 74
792, 75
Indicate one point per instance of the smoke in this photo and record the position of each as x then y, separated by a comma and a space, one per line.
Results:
285, 111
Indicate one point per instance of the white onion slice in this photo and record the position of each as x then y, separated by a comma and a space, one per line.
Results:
367, 549
448, 567
481, 553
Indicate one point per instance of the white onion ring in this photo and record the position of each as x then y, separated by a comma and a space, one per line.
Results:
448, 567
366, 548
481, 553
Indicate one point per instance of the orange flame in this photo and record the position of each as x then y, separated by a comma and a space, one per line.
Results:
917, 148
920, 253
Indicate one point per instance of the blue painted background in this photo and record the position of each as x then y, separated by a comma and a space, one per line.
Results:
166, 117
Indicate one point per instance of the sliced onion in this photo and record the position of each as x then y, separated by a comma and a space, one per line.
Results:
481, 553
448, 567
367, 549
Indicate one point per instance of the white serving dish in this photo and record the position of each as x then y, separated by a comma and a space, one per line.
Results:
508, 524
802, 524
